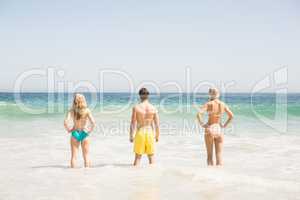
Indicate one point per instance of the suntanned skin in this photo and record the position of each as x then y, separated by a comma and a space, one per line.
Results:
215, 109
85, 144
144, 115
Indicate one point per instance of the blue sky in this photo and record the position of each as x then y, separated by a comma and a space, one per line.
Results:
221, 41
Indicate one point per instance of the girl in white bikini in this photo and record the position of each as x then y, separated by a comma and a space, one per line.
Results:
213, 128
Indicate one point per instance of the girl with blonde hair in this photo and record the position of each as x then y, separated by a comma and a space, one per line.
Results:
214, 136
83, 124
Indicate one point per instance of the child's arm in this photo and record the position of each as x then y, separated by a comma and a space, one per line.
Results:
67, 119
92, 121
132, 124
156, 124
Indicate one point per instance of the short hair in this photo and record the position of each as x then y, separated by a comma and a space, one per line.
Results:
144, 93
213, 93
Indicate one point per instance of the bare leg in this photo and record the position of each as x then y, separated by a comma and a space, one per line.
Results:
85, 146
151, 159
74, 148
209, 140
137, 159
219, 149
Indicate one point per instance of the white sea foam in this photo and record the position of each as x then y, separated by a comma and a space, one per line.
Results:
3, 103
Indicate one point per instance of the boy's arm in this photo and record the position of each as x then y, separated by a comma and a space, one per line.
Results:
66, 121
200, 114
156, 124
92, 121
230, 116
132, 124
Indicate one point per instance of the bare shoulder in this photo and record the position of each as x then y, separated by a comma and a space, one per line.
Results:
135, 108
142, 108
152, 108
223, 104
70, 112
206, 105
88, 111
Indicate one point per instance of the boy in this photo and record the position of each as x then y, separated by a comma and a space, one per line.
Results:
145, 120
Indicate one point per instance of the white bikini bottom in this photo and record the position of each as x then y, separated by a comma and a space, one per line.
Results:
215, 129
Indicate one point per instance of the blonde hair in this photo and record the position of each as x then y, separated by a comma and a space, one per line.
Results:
79, 107
213, 93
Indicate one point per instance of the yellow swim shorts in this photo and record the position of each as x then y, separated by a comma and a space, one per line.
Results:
144, 142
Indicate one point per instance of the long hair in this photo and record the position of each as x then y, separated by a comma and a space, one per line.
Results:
79, 106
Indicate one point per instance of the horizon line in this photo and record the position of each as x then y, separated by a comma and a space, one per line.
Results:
114, 92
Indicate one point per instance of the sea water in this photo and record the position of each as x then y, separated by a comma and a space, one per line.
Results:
261, 149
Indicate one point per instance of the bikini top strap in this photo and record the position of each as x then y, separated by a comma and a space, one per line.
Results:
210, 109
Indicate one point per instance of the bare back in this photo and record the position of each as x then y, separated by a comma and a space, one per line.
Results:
145, 114
215, 109
82, 122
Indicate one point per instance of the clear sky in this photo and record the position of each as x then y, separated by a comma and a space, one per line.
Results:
221, 41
